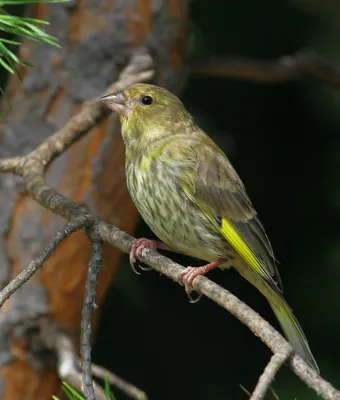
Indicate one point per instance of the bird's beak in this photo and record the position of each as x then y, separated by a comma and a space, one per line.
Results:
117, 103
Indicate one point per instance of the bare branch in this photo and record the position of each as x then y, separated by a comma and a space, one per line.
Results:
116, 381
275, 363
10, 164
68, 369
89, 303
41, 258
68, 365
286, 69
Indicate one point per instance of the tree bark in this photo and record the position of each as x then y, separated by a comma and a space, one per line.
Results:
97, 39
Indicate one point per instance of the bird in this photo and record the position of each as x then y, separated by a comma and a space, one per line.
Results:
192, 198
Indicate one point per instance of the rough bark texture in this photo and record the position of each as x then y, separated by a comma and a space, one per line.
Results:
97, 38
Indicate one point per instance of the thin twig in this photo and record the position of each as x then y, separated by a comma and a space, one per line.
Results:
276, 397
68, 367
10, 164
44, 254
304, 63
68, 362
245, 390
86, 320
265, 380
114, 380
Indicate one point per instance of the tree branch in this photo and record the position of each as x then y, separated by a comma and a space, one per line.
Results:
68, 370
53, 337
275, 363
304, 63
114, 380
10, 164
41, 258
32, 168
90, 303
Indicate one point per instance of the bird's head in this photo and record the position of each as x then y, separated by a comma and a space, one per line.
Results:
147, 112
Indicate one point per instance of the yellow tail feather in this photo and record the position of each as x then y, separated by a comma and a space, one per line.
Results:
283, 313
292, 328
256, 273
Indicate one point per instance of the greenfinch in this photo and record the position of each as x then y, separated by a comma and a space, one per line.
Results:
191, 197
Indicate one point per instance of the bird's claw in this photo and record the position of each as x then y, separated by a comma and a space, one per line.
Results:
147, 269
186, 277
136, 251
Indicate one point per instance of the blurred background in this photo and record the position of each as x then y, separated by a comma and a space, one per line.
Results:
283, 139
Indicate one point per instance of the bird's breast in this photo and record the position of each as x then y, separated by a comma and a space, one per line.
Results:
155, 194
170, 214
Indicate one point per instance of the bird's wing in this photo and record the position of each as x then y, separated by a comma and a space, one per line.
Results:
215, 187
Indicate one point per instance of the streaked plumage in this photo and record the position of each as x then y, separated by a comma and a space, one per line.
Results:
192, 198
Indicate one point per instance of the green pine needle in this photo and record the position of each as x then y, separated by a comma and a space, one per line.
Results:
23, 2
29, 28
72, 394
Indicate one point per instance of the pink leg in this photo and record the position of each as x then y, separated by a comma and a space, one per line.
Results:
138, 245
190, 273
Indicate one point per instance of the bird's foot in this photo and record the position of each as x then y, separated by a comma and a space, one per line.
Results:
136, 251
189, 274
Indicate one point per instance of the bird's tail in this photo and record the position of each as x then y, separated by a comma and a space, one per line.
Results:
292, 328
284, 314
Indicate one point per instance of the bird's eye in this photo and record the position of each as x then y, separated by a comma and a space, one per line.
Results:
147, 100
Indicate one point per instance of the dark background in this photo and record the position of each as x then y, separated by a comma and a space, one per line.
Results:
284, 141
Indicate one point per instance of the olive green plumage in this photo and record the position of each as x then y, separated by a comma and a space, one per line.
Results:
192, 198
